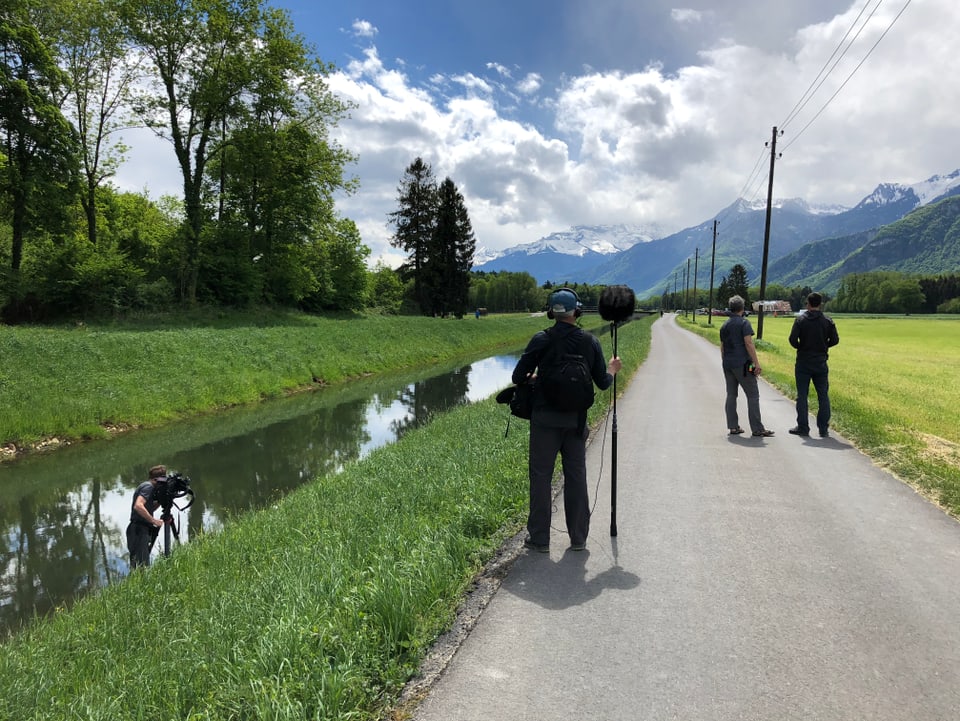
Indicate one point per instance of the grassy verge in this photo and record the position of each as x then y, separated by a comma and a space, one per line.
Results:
88, 381
894, 391
318, 608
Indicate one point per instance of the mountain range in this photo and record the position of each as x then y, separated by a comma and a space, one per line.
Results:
896, 227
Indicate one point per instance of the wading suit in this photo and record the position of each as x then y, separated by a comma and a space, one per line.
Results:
565, 432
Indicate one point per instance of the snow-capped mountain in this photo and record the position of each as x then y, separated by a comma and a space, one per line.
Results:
643, 256
579, 241
565, 255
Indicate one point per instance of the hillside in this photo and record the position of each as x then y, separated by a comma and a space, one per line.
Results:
925, 241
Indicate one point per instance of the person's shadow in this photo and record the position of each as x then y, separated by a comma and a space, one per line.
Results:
563, 583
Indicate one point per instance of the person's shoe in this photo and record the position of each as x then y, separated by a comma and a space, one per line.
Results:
825, 433
763, 434
798, 431
538, 547
578, 546
736, 431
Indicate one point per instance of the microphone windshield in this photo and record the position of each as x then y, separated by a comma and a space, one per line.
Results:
617, 302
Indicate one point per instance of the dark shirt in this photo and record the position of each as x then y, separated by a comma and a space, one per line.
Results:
812, 334
572, 343
732, 334
146, 490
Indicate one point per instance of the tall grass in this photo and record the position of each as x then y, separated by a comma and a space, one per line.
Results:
83, 381
894, 391
318, 608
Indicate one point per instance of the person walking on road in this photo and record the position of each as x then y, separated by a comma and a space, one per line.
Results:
741, 367
812, 334
554, 426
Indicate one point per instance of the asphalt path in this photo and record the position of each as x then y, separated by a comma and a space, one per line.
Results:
750, 578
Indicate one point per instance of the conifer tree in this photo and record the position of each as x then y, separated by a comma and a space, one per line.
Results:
414, 222
450, 256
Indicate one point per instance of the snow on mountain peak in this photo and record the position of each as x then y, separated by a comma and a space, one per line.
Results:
580, 240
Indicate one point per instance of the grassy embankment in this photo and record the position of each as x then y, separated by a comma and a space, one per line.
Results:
894, 391
87, 382
318, 608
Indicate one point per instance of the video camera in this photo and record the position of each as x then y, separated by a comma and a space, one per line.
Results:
171, 487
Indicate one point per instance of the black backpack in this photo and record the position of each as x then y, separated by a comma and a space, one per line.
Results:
564, 378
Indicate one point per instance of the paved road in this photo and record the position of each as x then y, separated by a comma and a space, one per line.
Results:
774, 579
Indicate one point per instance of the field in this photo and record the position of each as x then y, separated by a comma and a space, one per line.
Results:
320, 607
894, 391
78, 382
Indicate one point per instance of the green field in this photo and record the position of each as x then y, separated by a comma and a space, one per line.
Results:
894, 391
320, 607
90, 381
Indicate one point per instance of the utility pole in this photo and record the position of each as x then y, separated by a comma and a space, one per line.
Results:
766, 236
686, 290
713, 258
674, 290
696, 260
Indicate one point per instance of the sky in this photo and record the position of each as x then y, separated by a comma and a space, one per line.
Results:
553, 113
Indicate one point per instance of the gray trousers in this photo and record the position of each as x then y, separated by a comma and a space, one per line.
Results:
545, 443
737, 379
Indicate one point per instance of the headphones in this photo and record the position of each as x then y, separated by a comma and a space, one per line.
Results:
578, 307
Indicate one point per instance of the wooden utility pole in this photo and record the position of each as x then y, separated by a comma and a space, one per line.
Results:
696, 262
686, 290
766, 236
713, 257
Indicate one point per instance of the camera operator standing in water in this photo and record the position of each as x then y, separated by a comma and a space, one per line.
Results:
143, 527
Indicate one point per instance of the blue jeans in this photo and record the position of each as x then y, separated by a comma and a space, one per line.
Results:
805, 371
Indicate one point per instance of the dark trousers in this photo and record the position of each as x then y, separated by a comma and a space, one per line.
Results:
545, 443
814, 370
139, 538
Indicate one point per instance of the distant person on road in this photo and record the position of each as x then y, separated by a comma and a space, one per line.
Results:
741, 367
812, 334
143, 527
554, 430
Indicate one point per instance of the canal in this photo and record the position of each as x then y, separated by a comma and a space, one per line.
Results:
63, 514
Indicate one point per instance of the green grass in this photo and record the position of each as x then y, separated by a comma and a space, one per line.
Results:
83, 382
318, 608
894, 391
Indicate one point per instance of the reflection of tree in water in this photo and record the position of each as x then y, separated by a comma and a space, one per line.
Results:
58, 553
271, 463
63, 517
430, 396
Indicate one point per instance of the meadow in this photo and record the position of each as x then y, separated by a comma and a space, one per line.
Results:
78, 382
320, 607
894, 391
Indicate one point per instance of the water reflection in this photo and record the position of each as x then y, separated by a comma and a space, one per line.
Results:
63, 515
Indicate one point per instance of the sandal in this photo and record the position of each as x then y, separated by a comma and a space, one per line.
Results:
764, 434
735, 431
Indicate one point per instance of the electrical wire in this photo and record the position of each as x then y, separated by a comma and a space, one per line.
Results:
852, 73
814, 85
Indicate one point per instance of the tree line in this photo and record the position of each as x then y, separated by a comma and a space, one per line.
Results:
243, 104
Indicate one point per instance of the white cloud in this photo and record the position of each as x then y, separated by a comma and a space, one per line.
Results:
531, 84
672, 147
686, 15
364, 29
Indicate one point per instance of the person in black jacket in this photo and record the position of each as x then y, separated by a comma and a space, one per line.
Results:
554, 430
812, 334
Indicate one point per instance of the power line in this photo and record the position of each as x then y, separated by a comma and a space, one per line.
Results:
811, 90
853, 72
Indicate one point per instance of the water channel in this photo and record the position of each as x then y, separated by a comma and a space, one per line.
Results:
63, 514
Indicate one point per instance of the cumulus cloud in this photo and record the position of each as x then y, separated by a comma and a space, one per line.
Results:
686, 15
364, 29
671, 147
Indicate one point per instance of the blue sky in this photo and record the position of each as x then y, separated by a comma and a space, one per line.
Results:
549, 114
